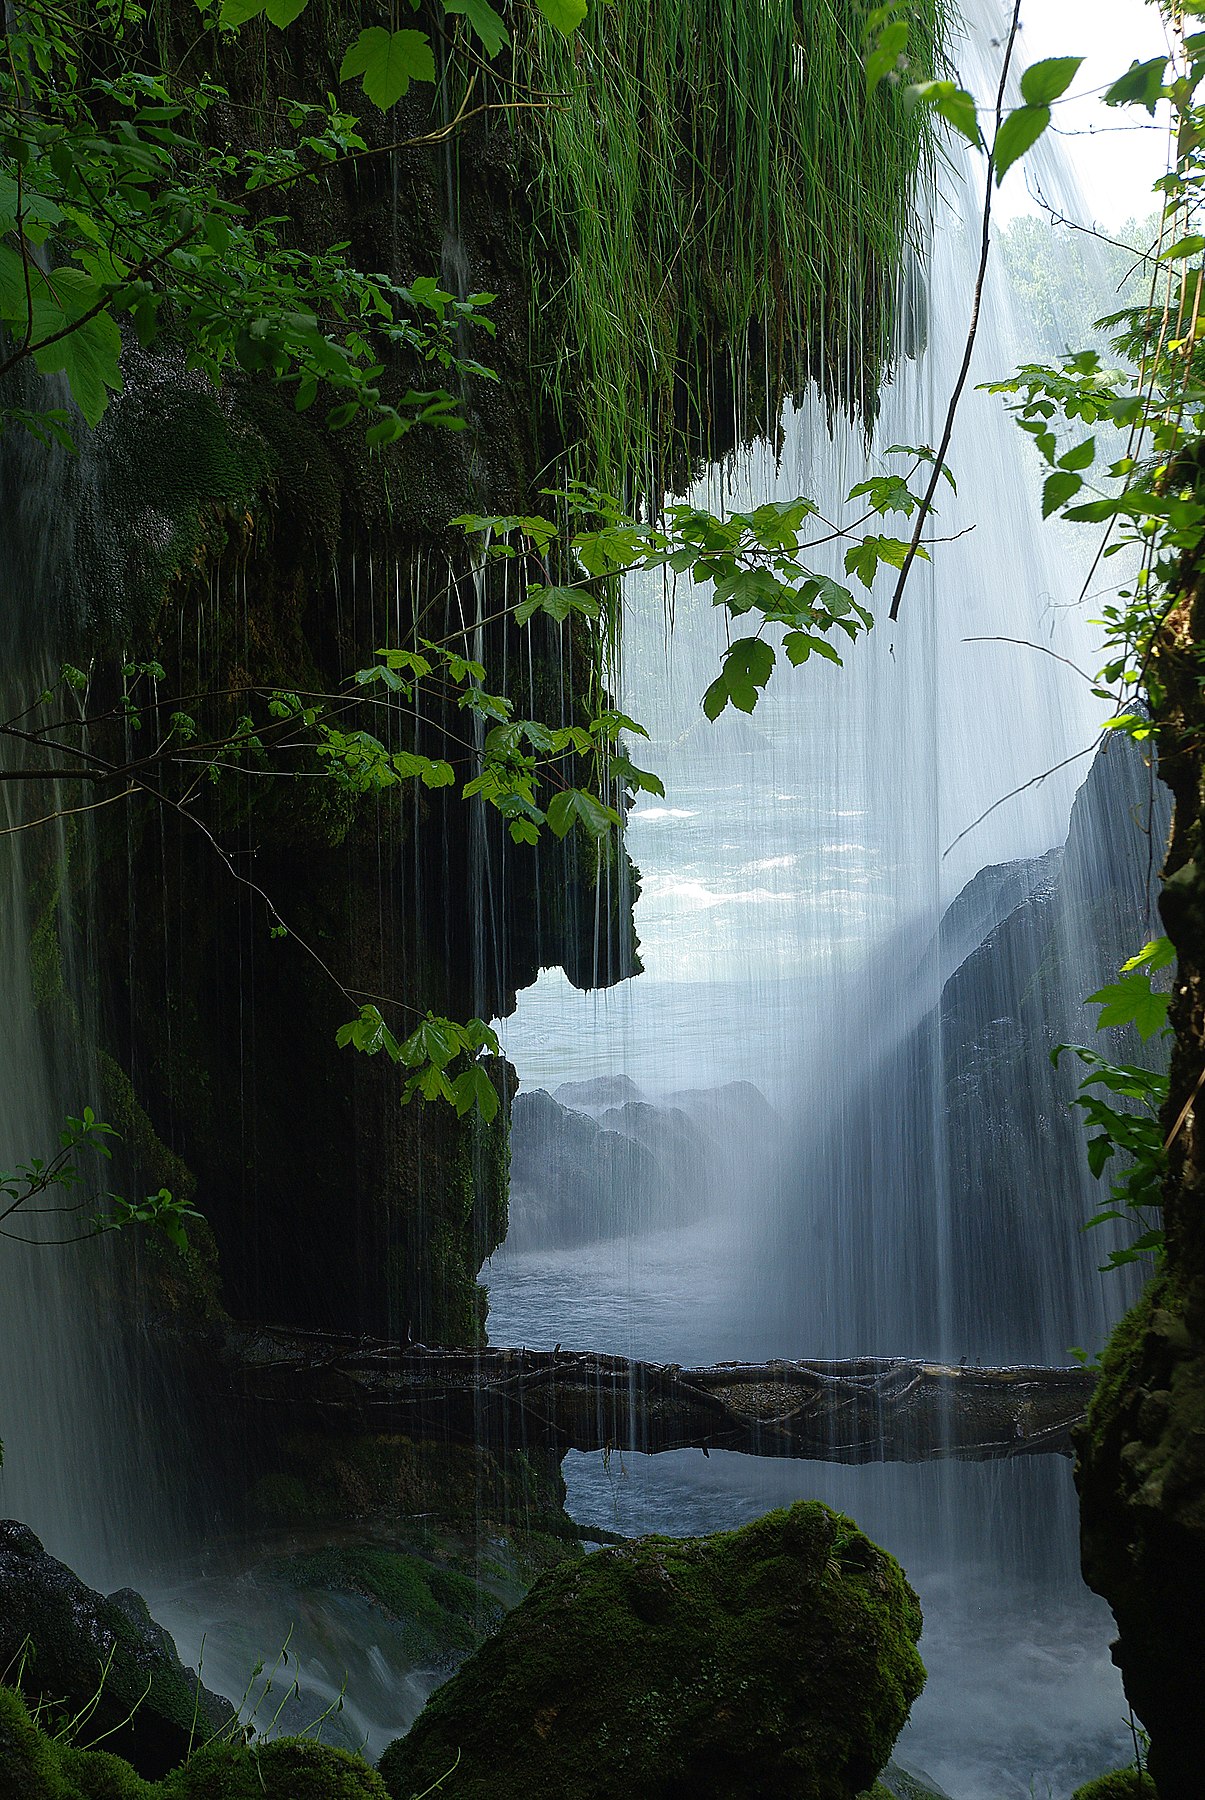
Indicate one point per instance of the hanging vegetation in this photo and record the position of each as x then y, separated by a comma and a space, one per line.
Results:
723, 214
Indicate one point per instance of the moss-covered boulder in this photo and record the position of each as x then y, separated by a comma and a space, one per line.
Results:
1119, 1784
779, 1660
70, 1648
29, 1764
289, 1769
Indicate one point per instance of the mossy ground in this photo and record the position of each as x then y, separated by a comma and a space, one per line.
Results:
35, 1766
778, 1660
1119, 1784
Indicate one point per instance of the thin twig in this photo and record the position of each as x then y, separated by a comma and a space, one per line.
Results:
926, 504
1033, 781
1027, 644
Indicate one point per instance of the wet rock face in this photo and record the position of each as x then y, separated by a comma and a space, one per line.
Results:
84, 1648
1141, 1477
1141, 1470
775, 1661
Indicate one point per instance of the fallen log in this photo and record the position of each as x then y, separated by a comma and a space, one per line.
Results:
869, 1409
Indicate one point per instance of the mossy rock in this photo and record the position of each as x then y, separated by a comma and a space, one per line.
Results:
35, 1766
289, 1769
77, 1649
440, 1610
775, 1661
895, 1783
96, 1775
1120, 1784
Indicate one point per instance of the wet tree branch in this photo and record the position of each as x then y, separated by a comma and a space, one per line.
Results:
869, 1409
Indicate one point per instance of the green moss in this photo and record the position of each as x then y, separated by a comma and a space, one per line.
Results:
34, 1766
440, 1609
1120, 1784
29, 1762
98, 1776
289, 1769
1118, 1361
778, 1660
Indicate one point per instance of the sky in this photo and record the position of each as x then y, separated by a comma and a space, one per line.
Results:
1118, 152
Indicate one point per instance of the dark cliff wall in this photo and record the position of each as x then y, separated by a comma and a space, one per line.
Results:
1141, 1469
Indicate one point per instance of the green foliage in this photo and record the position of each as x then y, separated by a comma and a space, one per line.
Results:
757, 563
442, 1057
1131, 1130
888, 55
1152, 406
1120, 1784
56, 1186
35, 1765
117, 204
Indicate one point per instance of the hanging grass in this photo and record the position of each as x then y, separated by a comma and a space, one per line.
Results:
721, 218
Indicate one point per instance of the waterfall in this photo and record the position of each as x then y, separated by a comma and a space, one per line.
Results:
71, 1391
799, 932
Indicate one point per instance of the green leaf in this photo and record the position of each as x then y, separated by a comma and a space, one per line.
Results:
1131, 1001
1100, 1149
283, 12
799, 646
1160, 953
1081, 457
566, 15
475, 1089
436, 1042
955, 104
1183, 248
1019, 132
748, 665
237, 12
90, 358
1044, 81
1059, 487
622, 768
557, 602
576, 807
1141, 85
388, 61
883, 60
431, 1083
368, 1033
483, 21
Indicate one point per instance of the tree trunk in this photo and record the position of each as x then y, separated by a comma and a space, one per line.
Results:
870, 1409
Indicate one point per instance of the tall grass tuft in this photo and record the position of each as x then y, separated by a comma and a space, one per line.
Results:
733, 213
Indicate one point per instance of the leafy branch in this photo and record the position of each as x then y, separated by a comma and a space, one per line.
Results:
1131, 1130
51, 1187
